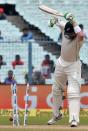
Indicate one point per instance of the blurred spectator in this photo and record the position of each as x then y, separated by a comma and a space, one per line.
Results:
26, 76
1, 61
17, 61
2, 15
0, 81
1, 38
82, 28
10, 78
52, 66
37, 78
46, 68
26, 35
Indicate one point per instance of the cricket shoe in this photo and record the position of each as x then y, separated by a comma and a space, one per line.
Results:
54, 119
74, 123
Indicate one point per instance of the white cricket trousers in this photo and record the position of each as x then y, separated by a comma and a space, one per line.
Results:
72, 74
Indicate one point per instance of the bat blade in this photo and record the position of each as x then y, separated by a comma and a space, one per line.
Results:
50, 10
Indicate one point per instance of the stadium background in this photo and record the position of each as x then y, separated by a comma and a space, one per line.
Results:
25, 13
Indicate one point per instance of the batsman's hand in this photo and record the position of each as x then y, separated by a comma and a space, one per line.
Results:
53, 21
69, 17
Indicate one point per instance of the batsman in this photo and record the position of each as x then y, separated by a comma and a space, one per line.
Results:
68, 70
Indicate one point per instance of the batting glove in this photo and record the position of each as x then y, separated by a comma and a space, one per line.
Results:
69, 16
53, 21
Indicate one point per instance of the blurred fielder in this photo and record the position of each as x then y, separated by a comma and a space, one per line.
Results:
68, 68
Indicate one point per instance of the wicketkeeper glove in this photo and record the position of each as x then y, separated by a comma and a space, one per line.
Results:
69, 16
53, 21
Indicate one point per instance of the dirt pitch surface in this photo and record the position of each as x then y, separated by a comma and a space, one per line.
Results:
44, 128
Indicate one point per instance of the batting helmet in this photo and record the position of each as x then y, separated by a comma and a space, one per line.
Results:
69, 28
69, 31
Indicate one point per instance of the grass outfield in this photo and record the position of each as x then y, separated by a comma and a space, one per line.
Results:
41, 120
39, 123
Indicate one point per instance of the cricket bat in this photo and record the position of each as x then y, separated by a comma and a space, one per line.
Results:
50, 10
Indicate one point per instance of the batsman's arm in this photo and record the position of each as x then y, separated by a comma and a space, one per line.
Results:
61, 24
78, 30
